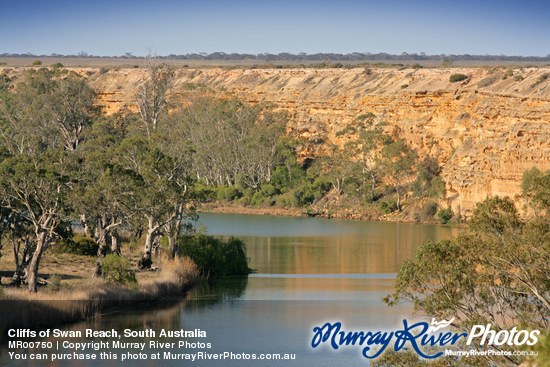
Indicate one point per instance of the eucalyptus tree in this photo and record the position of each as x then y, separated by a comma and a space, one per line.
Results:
104, 199
173, 142
151, 97
398, 163
18, 232
258, 150
365, 140
42, 115
49, 108
336, 166
369, 144
14, 229
232, 142
497, 273
36, 188
22, 129
154, 187
72, 108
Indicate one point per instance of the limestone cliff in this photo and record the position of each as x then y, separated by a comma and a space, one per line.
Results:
485, 131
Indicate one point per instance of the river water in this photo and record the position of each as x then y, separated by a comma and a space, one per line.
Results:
308, 271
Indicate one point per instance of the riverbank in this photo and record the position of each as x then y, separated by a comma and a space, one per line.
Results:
92, 297
411, 214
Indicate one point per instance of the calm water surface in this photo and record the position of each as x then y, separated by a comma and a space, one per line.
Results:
309, 271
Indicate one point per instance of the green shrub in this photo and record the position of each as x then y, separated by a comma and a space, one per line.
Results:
487, 81
347, 130
429, 209
518, 78
36, 63
309, 192
116, 269
269, 190
57, 65
258, 198
79, 245
445, 215
509, 72
228, 193
457, 78
215, 256
366, 117
54, 283
541, 79
388, 206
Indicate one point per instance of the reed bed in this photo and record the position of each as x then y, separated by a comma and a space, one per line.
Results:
21, 310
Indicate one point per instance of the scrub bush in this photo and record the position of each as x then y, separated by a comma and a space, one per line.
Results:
215, 256
457, 78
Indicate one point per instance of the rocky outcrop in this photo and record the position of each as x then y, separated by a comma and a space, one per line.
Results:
485, 131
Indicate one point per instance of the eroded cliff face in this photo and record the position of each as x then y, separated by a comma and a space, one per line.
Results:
485, 131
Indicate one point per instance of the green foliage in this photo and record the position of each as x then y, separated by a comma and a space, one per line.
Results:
540, 80
57, 65
388, 206
509, 72
116, 269
49, 109
404, 86
487, 81
398, 161
189, 86
367, 118
496, 215
497, 273
429, 209
228, 193
264, 196
36, 63
428, 184
230, 142
215, 256
457, 78
78, 245
542, 350
54, 283
445, 215
347, 130
536, 189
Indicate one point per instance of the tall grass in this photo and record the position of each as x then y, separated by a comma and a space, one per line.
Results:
21, 309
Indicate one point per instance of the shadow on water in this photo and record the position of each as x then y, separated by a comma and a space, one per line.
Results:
209, 293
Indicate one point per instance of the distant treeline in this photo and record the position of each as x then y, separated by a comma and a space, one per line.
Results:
301, 57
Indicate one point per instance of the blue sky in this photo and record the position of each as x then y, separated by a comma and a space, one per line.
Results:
342, 26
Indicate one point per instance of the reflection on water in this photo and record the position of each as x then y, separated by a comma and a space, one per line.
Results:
283, 245
309, 271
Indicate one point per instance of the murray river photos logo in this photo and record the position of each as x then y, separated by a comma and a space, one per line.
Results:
418, 335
